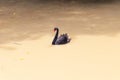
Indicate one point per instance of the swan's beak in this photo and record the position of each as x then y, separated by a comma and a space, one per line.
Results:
54, 30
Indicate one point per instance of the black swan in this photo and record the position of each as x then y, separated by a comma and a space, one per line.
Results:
62, 39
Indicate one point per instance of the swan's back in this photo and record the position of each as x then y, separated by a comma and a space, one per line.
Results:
62, 39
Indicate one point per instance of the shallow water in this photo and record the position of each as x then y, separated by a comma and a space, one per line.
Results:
86, 57
26, 32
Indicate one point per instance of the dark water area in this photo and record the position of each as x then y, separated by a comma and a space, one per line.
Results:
5, 2
31, 19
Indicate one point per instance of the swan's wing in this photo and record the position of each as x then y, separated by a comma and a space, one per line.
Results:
61, 40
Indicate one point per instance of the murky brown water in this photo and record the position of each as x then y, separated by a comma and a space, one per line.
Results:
26, 31
22, 20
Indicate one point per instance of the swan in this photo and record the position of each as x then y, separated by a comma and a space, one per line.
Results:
62, 39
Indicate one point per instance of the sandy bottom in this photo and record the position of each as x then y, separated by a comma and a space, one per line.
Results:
85, 58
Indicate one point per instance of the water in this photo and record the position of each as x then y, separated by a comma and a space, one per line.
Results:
26, 31
24, 20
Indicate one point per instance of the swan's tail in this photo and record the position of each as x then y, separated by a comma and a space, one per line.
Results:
69, 39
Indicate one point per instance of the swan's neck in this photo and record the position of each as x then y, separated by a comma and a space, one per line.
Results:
56, 36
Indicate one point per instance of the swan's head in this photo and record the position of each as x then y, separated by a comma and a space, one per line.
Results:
55, 29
